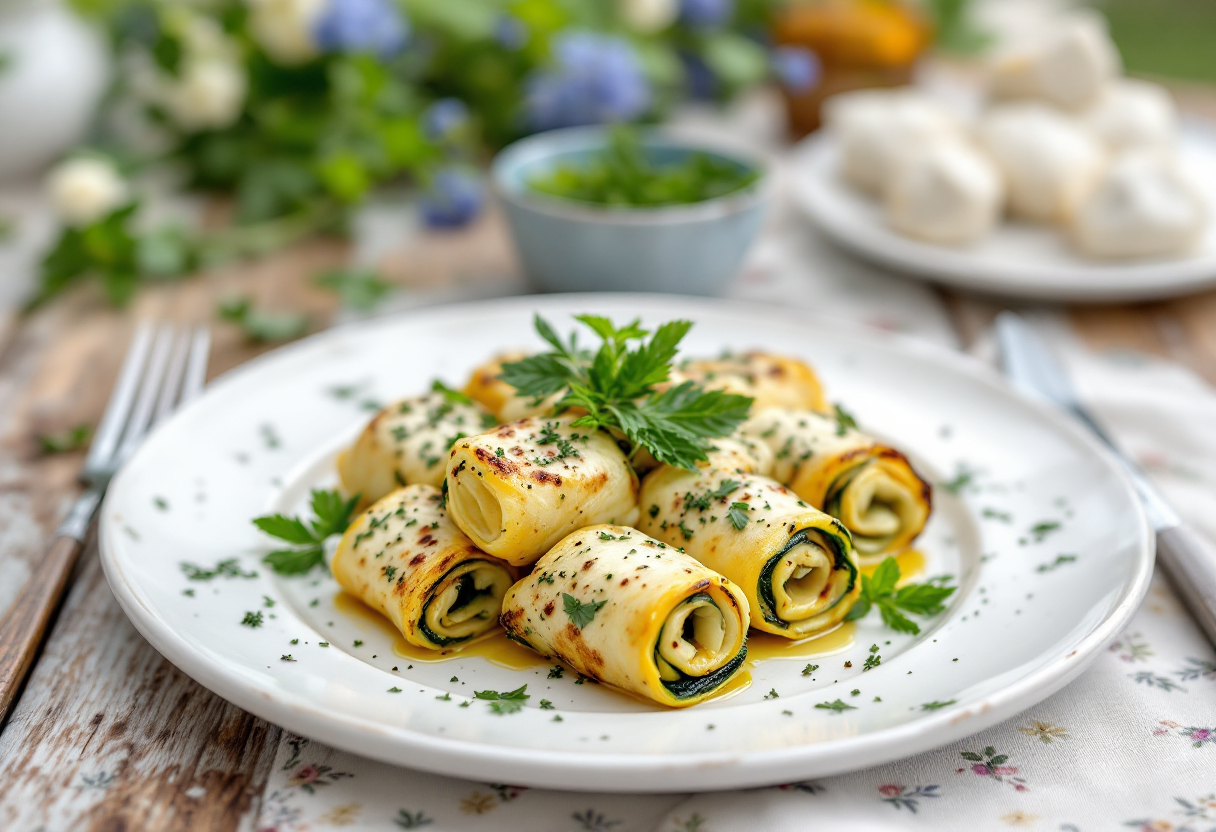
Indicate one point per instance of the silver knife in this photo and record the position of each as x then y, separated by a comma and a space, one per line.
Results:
1188, 559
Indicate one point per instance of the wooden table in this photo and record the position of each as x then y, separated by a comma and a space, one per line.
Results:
108, 735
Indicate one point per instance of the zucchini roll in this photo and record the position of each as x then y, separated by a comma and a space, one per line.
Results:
631, 611
520, 488
491, 392
405, 557
868, 486
772, 380
408, 443
795, 563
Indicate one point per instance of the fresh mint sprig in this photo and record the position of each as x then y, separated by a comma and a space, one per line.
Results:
331, 515
616, 387
878, 590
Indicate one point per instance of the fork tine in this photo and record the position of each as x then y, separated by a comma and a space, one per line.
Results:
149, 389
175, 371
196, 367
109, 429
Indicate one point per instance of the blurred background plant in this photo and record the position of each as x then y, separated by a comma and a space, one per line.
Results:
295, 111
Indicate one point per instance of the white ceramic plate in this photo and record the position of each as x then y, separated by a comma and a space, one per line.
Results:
1025, 621
1017, 259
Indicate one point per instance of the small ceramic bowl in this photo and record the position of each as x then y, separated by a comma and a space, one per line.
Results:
572, 246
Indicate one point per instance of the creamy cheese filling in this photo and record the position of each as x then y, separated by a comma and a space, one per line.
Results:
479, 508
805, 581
466, 602
875, 507
696, 639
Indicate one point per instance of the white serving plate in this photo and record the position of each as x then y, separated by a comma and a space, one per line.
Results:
265, 433
1018, 259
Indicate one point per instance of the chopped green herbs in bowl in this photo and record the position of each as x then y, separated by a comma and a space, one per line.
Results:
612, 209
623, 174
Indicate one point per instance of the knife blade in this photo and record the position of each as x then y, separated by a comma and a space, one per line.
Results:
1188, 559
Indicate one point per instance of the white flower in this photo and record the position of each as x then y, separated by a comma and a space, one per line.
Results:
648, 15
84, 190
208, 94
284, 28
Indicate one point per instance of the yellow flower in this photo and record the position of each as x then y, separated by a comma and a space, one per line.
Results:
344, 815
1045, 731
478, 803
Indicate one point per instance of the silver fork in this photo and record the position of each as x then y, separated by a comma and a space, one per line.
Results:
165, 367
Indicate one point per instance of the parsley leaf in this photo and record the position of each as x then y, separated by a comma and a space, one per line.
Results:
616, 387
838, 706
453, 396
331, 515
504, 703
878, 590
737, 515
724, 488
844, 420
230, 568
580, 613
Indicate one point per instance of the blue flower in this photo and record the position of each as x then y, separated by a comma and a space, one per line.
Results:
453, 199
797, 67
597, 79
375, 26
706, 14
510, 32
443, 118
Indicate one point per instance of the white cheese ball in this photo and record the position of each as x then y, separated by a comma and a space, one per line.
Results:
876, 128
1133, 114
945, 192
1067, 64
1141, 207
1047, 160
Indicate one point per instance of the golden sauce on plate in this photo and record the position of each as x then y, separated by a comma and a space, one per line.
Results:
911, 565
494, 647
764, 646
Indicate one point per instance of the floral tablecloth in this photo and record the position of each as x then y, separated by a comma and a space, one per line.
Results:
1130, 744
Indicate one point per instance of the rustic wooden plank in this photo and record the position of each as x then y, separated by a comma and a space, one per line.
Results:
109, 735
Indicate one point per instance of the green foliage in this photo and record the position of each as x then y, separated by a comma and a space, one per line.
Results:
503, 703
580, 614
261, 325
622, 175
360, 289
616, 386
72, 439
878, 590
331, 516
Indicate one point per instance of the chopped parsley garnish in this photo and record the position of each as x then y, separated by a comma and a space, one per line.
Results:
74, 439
546, 705
230, 568
724, 488
252, 619
962, 480
772, 694
737, 514
504, 703
1059, 561
653, 511
933, 706
878, 590
617, 389
809, 669
499, 452
556, 671
1044, 528
606, 536
837, 706
331, 515
580, 613
844, 420
452, 396
286, 657
687, 532
394, 689
871, 663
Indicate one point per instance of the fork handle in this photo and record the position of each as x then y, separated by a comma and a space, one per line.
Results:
1190, 561
24, 625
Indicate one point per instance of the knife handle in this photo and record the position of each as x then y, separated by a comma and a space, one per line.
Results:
1190, 562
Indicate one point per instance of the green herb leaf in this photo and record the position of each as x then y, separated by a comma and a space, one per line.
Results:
453, 396
844, 420
73, 439
838, 706
580, 614
504, 703
360, 289
617, 388
331, 516
878, 590
737, 515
